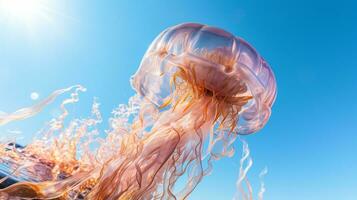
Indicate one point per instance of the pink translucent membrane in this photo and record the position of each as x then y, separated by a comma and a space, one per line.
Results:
230, 57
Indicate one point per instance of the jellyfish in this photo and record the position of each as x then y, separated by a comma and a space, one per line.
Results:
198, 88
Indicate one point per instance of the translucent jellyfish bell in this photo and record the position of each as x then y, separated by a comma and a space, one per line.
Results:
222, 61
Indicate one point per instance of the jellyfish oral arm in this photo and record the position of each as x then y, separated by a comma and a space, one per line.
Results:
164, 149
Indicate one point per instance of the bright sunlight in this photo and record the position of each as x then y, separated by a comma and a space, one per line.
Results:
28, 12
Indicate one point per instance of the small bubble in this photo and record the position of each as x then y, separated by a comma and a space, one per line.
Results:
34, 95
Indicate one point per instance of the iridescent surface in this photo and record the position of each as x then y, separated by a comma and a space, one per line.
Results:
195, 84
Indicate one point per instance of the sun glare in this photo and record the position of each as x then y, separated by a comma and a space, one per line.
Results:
20, 9
28, 12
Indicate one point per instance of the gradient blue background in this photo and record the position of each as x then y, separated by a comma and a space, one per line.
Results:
310, 142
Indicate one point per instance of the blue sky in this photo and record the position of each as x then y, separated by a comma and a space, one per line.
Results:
309, 144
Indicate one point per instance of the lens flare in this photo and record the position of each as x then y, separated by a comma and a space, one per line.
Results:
196, 85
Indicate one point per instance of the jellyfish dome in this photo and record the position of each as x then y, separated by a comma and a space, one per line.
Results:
226, 65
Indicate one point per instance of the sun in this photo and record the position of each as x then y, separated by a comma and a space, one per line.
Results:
23, 11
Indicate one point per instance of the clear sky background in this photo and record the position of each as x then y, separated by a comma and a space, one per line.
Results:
310, 143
